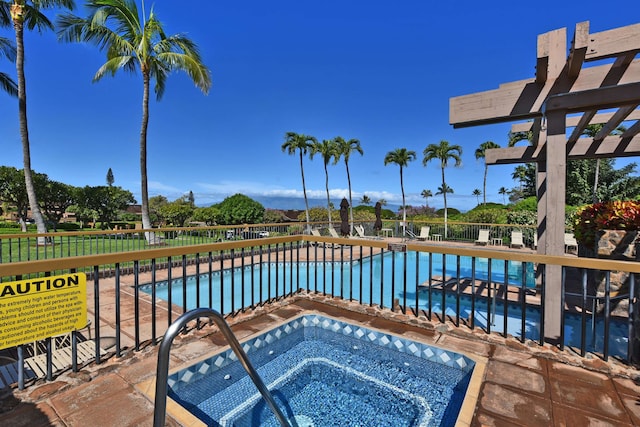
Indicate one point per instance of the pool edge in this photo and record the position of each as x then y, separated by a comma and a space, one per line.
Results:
187, 419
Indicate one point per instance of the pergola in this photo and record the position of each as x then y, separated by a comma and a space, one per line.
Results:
566, 94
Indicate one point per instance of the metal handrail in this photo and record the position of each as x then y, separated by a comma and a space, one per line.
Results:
160, 404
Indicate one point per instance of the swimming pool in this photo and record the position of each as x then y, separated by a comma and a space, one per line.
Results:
370, 281
324, 371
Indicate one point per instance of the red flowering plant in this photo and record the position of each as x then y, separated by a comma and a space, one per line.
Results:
616, 215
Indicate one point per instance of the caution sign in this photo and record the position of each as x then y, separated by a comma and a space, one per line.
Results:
34, 309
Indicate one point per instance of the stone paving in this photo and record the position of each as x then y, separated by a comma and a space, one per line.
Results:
523, 384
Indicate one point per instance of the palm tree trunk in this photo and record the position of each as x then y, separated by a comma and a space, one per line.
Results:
17, 16
444, 193
595, 181
144, 193
484, 186
350, 200
326, 184
404, 206
304, 192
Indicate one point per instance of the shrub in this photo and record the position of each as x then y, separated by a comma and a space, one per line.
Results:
9, 224
450, 212
615, 215
522, 217
487, 216
68, 226
529, 204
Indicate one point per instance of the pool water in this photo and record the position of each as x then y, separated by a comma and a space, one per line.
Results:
231, 290
326, 372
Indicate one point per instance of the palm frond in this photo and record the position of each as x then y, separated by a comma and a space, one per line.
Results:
127, 63
8, 49
35, 19
5, 14
8, 85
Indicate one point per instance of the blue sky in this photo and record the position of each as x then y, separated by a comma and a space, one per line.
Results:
378, 71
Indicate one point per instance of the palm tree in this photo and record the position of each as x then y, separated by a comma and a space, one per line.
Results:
366, 200
426, 194
345, 148
327, 148
504, 192
301, 143
29, 13
480, 154
477, 192
591, 131
443, 152
519, 174
401, 157
8, 50
444, 189
134, 41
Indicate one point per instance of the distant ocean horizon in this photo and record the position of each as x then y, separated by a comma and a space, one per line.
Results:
297, 203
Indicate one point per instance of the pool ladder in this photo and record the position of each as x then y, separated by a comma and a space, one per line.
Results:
160, 405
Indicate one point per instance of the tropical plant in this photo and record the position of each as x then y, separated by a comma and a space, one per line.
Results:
504, 192
443, 152
28, 13
345, 149
443, 190
615, 215
240, 209
110, 178
177, 212
8, 50
133, 41
300, 143
480, 154
426, 194
400, 157
519, 174
209, 215
591, 131
477, 192
366, 200
326, 148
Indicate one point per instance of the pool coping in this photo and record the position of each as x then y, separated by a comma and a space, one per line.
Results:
186, 418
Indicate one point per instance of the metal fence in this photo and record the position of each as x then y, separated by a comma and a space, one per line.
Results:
496, 291
30, 247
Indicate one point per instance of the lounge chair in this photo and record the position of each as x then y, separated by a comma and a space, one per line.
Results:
333, 232
516, 239
570, 242
361, 233
483, 237
424, 233
62, 353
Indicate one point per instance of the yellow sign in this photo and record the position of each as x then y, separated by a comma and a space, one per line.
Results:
34, 309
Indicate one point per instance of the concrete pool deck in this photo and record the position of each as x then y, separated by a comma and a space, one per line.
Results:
523, 384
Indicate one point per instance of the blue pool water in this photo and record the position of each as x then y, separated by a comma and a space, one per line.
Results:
370, 281
231, 290
327, 372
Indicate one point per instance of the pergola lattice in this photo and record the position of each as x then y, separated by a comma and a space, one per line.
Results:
566, 93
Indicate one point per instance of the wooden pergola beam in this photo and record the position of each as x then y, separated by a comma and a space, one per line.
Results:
573, 121
584, 148
579, 47
615, 121
621, 95
523, 99
615, 42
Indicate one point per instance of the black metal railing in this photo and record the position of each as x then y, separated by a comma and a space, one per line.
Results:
499, 292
